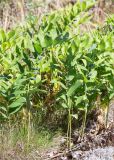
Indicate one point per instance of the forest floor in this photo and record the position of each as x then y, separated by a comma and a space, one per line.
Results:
97, 143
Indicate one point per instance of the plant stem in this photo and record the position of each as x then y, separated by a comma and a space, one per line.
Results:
106, 116
28, 136
69, 130
68, 133
84, 122
29, 118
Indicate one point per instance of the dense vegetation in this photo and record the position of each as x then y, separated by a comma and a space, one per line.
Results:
57, 63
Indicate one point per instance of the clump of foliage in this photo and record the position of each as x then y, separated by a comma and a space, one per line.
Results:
55, 63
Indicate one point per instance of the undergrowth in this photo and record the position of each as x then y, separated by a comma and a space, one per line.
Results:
52, 66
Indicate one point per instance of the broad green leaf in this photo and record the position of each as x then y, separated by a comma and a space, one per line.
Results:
19, 102
93, 74
3, 109
11, 34
83, 5
3, 115
28, 44
64, 105
38, 78
20, 67
73, 88
80, 99
14, 110
38, 48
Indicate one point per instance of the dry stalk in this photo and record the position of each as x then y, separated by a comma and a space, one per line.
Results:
6, 18
22, 11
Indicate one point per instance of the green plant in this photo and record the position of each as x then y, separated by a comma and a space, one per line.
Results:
59, 62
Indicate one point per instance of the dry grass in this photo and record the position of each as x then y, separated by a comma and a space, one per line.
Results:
13, 12
14, 145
